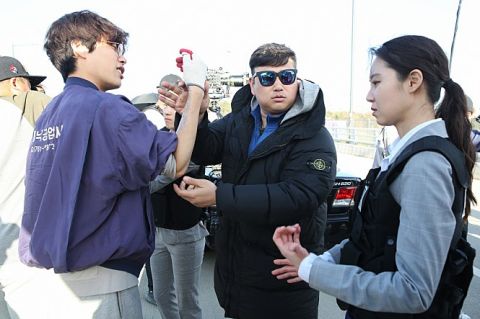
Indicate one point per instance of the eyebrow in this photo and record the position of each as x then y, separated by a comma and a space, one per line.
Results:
373, 75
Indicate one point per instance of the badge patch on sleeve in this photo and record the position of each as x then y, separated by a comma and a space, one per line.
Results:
320, 165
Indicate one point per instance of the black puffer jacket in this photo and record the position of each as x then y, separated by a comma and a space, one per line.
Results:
282, 182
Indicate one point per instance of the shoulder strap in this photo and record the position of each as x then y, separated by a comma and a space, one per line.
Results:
451, 153
433, 144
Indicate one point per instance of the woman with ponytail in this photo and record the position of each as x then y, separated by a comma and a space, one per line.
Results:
405, 257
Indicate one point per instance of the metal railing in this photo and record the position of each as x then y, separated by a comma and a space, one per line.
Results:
352, 135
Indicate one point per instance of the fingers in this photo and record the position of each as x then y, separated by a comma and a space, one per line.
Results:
282, 262
287, 275
176, 89
191, 181
296, 236
294, 280
283, 270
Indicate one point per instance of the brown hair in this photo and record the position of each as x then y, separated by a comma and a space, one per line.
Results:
84, 26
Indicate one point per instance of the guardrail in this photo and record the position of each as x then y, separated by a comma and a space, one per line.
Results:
361, 141
353, 135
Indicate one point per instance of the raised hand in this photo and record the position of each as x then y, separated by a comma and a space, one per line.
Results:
193, 68
175, 96
287, 239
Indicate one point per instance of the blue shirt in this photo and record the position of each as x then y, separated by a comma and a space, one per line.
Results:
273, 121
87, 200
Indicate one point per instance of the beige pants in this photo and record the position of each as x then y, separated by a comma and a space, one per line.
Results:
42, 294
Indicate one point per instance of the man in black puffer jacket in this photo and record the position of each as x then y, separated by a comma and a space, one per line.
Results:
278, 167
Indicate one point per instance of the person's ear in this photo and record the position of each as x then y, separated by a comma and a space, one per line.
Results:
14, 82
79, 49
414, 80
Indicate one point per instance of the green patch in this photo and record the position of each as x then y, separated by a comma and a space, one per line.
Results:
319, 165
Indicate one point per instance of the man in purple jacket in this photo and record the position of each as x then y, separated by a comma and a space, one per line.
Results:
87, 206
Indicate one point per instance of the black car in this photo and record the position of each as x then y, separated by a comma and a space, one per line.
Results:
340, 204
339, 210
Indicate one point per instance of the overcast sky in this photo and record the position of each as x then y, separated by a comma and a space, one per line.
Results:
225, 33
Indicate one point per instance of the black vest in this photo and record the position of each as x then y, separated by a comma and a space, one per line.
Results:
373, 239
173, 212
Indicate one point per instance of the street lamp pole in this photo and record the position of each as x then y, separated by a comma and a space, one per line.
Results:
350, 115
454, 35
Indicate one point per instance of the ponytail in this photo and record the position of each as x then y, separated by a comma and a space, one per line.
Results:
453, 111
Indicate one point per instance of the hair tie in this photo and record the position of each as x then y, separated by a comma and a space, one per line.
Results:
447, 84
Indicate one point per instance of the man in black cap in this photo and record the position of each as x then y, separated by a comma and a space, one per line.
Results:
20, 107
18, 78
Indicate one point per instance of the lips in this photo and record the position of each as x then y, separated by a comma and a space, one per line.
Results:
278, 98
122, 70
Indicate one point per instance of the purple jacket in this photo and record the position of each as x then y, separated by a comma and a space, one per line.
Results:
87, 200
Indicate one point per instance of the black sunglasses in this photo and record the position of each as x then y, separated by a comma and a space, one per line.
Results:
268, 78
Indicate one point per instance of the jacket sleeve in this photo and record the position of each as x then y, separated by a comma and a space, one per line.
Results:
209, 144
142, 150
305, 182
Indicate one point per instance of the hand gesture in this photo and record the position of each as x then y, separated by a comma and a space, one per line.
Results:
174, 96
199, 192
287, 271
193, 68
287, 239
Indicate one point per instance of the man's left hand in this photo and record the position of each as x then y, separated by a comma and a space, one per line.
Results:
199, 192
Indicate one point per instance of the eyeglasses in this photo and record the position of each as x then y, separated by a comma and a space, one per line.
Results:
119, 47
268, 78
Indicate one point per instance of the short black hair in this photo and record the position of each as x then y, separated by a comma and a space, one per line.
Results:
85, 26
271, 54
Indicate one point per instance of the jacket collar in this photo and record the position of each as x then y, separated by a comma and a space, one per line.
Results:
72, 80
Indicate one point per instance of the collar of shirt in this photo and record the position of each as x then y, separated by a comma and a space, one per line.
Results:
273, 121
398, 144
72, 80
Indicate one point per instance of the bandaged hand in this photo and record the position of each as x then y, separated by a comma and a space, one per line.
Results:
194, 69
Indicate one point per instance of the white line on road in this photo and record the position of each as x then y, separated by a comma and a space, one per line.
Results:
476, 271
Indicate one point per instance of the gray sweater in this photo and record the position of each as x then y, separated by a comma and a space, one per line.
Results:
425, 193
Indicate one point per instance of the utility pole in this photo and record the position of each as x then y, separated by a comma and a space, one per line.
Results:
454, 35
350, 115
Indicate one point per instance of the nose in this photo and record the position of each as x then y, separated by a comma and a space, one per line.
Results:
168, 110
369, 96
277, 85
122, 59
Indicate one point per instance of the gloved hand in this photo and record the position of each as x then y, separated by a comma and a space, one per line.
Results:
193, 68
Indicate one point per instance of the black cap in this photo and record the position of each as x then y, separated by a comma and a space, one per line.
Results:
11, 68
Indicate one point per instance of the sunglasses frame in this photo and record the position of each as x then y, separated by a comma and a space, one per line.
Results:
277, 75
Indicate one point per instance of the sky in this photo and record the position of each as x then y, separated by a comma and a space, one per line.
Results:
225, 33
